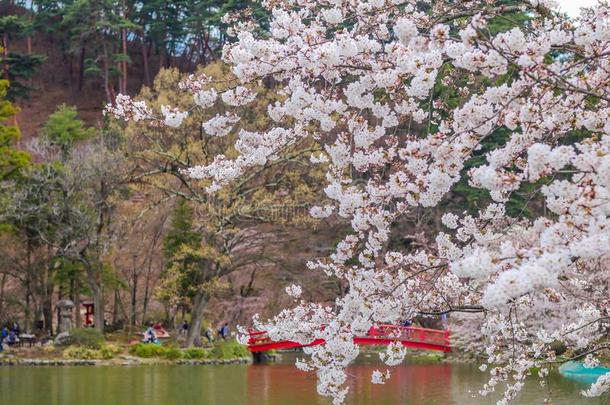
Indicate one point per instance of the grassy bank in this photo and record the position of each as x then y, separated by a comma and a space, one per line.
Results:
87, 346
219, 351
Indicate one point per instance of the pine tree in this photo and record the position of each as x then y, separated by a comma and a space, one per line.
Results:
181, 233
18, 67
64, 128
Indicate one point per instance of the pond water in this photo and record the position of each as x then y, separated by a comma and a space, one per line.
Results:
272, 384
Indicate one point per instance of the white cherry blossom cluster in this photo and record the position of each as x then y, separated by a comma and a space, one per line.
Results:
294, 291
601, 386
172, 117
377, 377
220, 125
125, 108
205, 98
321, 212
394, 354
362, 81
238, 96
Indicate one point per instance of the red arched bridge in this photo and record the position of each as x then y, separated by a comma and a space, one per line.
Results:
409, 336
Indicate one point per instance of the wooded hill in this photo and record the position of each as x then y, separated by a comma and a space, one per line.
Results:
84, 52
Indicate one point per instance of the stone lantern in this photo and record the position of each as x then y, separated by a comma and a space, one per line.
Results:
65, 308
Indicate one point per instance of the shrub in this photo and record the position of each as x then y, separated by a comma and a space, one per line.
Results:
221, 350
48, 348
171, 353
108, 351
78, 352
195, 353
87, 337
81, 352
229, 350
146, 350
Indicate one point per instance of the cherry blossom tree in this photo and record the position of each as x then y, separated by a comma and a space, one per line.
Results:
368, 82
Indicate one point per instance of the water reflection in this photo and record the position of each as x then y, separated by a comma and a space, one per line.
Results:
275, 384
411, 383
416, 384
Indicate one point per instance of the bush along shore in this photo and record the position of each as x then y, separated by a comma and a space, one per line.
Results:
119, 361
87, 350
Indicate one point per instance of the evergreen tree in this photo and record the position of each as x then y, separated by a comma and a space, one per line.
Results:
98, 30
63, 129
18, 67
12, 160
180, 248
181, 233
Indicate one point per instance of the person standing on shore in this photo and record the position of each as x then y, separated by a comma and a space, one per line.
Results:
185, 328
13, 338
3, 335
209, 335
225, 332
16, 329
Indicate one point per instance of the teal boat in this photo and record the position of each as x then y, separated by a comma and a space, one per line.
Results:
578, 372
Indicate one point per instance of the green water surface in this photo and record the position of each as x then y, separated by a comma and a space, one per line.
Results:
274, 384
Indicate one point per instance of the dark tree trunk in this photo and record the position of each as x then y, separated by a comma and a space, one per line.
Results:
115, 308
98, 302
81, 69
28, 314
161, 58
124, 44
119, 313
194, 335
57, 314
78, 320
70, 75
107, 88
28, 285
145, 63
146, 291
47, 304
134, 296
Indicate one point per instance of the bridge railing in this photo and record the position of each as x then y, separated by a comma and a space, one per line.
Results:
258, 337
411, 334
381, 333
